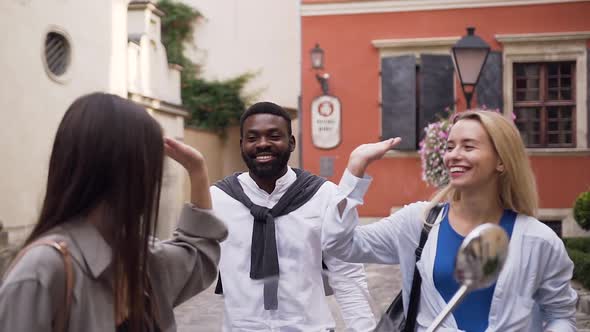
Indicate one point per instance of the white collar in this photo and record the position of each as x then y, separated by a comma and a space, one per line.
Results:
281, 185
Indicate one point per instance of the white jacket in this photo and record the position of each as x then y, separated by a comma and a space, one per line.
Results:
533, 292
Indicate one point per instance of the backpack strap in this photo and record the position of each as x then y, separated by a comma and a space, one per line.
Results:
60, 323
417, 279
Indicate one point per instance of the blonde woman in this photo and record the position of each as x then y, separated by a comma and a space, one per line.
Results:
491, 181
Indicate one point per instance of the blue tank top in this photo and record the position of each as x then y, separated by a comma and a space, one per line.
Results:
472, 313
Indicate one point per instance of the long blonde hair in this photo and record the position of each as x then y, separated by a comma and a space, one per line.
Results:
517, 185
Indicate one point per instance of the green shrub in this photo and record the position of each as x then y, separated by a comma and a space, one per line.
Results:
581, 266
578, 243
582, 210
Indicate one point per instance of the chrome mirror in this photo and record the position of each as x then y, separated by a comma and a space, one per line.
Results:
479, 262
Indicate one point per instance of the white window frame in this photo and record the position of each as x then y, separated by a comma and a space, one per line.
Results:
547, 47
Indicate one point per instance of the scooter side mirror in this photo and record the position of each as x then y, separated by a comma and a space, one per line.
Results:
481, 256
478, 264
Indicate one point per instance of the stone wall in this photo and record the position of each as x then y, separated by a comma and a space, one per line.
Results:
7, 251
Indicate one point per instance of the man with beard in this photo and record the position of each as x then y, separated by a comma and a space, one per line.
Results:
271, 273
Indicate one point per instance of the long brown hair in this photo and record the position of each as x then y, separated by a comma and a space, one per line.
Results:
109, 151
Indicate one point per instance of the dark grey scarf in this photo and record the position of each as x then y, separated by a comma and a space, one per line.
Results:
264, 262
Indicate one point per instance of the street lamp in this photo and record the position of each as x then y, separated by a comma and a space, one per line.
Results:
470, 54
317, 57
317, 63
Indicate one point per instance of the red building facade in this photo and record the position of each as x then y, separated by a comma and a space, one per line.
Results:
390, 66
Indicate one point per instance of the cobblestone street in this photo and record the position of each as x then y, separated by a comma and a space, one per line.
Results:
205, 311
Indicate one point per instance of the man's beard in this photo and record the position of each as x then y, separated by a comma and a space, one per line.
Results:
271, 169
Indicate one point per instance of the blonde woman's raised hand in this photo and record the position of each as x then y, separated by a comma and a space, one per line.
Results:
365, 154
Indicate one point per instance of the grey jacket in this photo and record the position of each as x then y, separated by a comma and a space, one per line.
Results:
179, 268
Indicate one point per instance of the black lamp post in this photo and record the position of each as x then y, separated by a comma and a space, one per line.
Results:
317, 63
470, 54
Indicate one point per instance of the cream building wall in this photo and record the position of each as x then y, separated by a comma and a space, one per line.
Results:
222, 153
256, 36
261, 36
115, 48
155, 84
32, 103
149, 73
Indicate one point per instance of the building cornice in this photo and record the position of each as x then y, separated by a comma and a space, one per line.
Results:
543, 37
175, 66
159, 105
141, 5
386, 6
559, 152
414, 42
416, 46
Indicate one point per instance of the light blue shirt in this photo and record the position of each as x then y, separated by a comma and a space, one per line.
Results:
533, 291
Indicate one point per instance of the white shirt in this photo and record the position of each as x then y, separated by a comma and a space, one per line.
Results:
533, 291
302, 304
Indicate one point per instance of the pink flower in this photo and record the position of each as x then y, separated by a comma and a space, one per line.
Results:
431, 151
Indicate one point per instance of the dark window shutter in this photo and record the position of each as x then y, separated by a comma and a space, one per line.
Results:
588, 96
398, 105
436, 88
489, 88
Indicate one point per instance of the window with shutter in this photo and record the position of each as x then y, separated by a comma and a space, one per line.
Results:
413, 94
436, 88
488, 91
398, 100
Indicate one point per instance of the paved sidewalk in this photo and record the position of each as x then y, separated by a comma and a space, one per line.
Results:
583, 315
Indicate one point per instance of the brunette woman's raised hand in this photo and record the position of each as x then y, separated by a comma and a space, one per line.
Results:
193, 161
190, 158
365, 154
